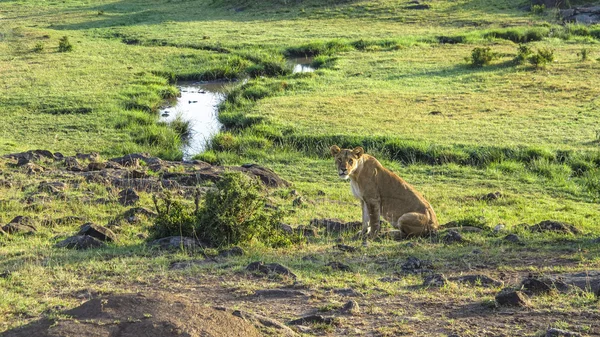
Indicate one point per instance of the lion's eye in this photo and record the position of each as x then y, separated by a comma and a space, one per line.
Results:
350, 161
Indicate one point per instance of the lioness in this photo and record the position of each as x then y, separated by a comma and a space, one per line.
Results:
383, 193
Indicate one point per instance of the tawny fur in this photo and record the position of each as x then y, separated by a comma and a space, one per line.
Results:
384, 194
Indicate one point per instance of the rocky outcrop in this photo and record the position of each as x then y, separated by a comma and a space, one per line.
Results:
586, 15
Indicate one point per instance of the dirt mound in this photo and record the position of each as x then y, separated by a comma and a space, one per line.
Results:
140, 315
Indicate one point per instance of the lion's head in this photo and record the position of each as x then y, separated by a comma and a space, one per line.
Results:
346, 160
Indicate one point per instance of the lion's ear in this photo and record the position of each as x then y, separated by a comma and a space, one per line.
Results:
334, 150
358, 151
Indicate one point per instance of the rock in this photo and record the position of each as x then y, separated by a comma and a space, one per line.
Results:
554, 226
477, 280
435, 113
270, 268
22, 162
336, 226
586, 281
6, 184
96, 166
435, 280
72, 164
32, 168
234, 251
312, 319
499, 228
267, 176
94, 156
307, 231
80, 242
5, 274
21, 225
142, 314
280, 293
299, 201
177, 243
512, 238
98, 232
553, 332
133, 160
137, 174
414, 265
351, 307
452, 236
14, 228
54, 187
512, 298
347, 292
346, 248
339, 266
128, 197
491, 196
287, 229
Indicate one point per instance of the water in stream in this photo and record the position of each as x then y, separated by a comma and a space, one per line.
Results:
199, 103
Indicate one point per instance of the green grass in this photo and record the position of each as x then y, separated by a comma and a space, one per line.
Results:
399, 86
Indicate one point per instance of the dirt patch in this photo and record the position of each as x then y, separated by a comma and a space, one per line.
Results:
140, 315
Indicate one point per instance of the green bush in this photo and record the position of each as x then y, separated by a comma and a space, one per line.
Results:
235, 213
481, 56
38, 48
584, 54
523, 53
64, 45
542, 57
174, 219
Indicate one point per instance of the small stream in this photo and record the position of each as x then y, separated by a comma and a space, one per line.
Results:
198, 103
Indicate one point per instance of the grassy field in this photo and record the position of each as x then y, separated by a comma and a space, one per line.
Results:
392, 79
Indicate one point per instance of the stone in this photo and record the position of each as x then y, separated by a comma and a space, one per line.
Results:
287, 229
177, 243
6, 184
234, 251
128, 197
414, 265
351, 307
96, 166
435, 280
312, 319
267, 176
80, 242
32, 168
270, 268
346, 248
553, 332
498, 228
491, 196
586, 281
554, 226
299, 201
99, 232
72, 164
477, 280
280, 293
339, 266
307, 231
453, 236
512, 238
512, 298
20, 224
54, 187
94, 156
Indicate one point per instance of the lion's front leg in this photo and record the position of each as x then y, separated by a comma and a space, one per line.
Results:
365, 218
374, 213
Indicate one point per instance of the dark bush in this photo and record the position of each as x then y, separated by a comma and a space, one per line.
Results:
174, 219
481, 56
542, 57
64, 45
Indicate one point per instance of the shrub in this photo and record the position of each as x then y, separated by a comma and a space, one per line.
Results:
542, 57
481, 56
64, 45
583, 54
173, 219
38, 48
523, 53
538, 9
235, 213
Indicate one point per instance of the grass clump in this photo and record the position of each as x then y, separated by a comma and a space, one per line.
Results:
519, 35
481, 56
584, 54
64, 45
38, 48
